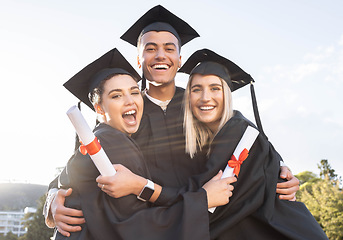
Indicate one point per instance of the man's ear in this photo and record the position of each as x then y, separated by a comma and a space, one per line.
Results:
98, 109
139, 62
180, 62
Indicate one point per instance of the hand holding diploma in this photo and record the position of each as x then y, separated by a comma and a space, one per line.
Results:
239, 155
93, 147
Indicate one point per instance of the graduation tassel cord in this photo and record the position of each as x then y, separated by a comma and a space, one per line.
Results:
254, 105
97, 122
143, 85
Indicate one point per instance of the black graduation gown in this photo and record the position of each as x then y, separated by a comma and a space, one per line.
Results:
254, 210
127, 217
161, 139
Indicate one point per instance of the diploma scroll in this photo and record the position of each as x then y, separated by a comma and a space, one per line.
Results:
244, 144
94, 149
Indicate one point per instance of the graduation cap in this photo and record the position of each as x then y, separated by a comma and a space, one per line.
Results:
84, 82
207, 62
160, 19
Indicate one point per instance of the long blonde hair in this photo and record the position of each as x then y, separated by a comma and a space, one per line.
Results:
198, 134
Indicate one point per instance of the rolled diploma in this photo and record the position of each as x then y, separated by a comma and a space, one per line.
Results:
86, 135
246, 141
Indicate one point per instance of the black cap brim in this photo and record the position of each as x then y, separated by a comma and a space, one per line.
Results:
112, 62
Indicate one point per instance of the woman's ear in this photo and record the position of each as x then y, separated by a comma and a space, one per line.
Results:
98, 109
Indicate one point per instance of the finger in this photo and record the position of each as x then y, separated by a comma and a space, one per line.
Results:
290, 176
289, 197
70, 212
75, 213
60, 197
62, 227
230, 194
65, 192
287, 191
69, 192
294, 182
61, 193
104, 179
292, 199
117, 166
102, 187
283, 185
229, 180
64, 233
99, 179
66, 220
218, 176
284, 172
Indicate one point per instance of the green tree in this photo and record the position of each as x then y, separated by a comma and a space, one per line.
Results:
325, 202
307, 177
323, 198
326, 171
329, 173
37, 230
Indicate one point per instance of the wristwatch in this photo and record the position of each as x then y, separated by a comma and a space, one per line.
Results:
147, 191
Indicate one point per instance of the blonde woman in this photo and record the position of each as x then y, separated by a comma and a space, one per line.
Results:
214, 128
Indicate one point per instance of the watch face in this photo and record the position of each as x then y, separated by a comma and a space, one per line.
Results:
146, 193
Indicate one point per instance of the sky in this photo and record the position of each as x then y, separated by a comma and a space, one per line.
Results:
292, 49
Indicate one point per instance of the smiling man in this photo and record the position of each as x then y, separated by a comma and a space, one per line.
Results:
158, 36
159, 55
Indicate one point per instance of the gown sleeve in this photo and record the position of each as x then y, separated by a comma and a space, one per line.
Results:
128, 217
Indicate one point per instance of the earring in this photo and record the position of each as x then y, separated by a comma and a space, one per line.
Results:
99, 110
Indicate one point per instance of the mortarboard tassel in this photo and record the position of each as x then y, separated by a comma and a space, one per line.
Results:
254, 105
143, 84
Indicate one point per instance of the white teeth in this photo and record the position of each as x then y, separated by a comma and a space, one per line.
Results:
130, 112
160, 66
206, 108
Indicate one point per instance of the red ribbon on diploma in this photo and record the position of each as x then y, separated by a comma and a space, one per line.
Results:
236, 164
92, 148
